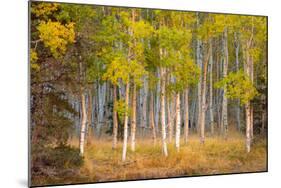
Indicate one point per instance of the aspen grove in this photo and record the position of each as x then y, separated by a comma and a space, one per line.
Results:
128, 93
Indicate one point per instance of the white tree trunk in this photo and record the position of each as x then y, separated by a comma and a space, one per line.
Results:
199, 63
211, 89
224, 100
162, 112
237, 47
115, 123
89, 115
248, 127
125, 136
152, 118
133, 119
186, 121
199, 106
169, 122
83, 124
204, 105
178, 122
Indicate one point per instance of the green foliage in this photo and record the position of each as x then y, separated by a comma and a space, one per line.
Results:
78, 14
141, 29
121, 108
118, 69
173, 38
238, 86
56, 36
137, 72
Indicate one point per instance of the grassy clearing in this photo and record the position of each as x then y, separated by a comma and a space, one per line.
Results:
216, 156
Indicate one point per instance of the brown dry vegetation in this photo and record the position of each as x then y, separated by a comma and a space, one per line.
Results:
216, 156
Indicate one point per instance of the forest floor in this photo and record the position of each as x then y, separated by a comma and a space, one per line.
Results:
216, 156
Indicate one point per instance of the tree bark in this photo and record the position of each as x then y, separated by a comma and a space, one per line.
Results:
89, 116
162, 111
83, 124
199, 63
170, 124
224, 118
211, 89
199, 106
204, 106
125, 135
133, 118
178, 122
237, 47
115, 122
186, 120
248, 126
152, 118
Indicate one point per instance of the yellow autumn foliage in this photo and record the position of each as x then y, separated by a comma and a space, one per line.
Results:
44, 9
56, 36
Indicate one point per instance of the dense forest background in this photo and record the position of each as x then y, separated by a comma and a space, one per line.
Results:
186, 92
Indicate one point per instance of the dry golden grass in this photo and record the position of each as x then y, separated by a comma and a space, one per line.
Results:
216, 156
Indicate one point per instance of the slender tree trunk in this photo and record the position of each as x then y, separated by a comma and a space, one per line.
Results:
157, 103
199, 106
204, 105
125, 135
199, 63
115, 122
133, 118
248, 126
237, 47
89, 115
83, 124
162, 111
186, 120
178, 122
170, 124
152, 118
251, 104
224, 100
252, 121
211, 89
144, 106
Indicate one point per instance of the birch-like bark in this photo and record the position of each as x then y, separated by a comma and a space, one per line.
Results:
83, 124
169, 122
125, 135
204, 105
115, 122
89, 115
211, 89
199, 63
237, 47
178, 122
152, 118
251, 106
248, 126
133, 118
224, 100
144, 105
186, 120
162, 111
247, 70
199, 106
